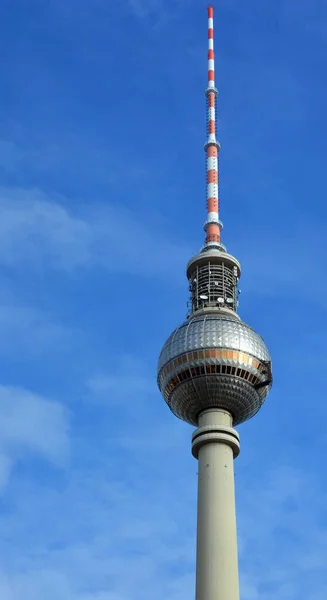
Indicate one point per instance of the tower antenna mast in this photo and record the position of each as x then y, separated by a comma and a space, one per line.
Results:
212, 225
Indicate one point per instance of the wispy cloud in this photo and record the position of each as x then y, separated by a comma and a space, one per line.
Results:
105, 521
28, 332
116, 514
103, 526
30, 425
282, 522
140, 9
130, 378
143, 8
40, 231
279, 262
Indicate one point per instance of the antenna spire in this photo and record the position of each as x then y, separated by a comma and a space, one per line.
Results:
212, 225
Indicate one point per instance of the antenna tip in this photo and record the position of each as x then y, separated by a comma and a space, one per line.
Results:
210, 11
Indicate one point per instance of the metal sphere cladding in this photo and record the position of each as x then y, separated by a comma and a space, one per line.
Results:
214, 361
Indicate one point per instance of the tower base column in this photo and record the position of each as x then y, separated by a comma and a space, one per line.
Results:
215, 444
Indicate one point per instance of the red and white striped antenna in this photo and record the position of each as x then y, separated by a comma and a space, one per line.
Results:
212, 225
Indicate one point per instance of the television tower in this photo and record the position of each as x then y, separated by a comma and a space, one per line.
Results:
214, 372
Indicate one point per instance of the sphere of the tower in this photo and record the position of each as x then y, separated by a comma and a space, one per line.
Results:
214, 361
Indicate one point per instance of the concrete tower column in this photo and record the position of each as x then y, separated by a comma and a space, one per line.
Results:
215, 444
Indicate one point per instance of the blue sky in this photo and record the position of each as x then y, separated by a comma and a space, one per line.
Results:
102, 200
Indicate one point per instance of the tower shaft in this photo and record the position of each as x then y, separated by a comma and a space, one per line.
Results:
215, 444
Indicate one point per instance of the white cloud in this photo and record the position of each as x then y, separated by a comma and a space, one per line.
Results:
146, 529
129, 379
28, 332
79, 542
30, 425
39, 231
36, 231
266, 271
282, 524
114, 387
138, 8
143, 8
129, 507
